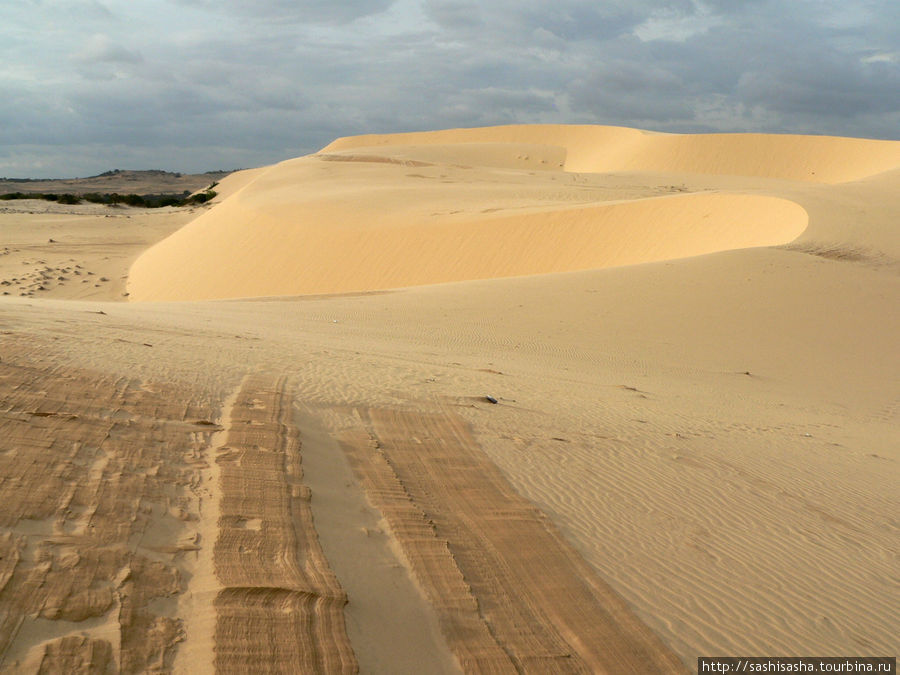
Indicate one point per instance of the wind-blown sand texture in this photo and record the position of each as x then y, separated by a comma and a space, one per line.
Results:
692, 345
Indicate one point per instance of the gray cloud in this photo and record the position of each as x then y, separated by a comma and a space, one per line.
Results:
566, 19
838, 90
101, 48
311, 11
452, 15
188, 84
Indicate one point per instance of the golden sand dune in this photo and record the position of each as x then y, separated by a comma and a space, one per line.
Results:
826, 159
487, 203
238, 251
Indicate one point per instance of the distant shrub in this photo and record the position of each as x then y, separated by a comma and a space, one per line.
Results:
201, 197
134, 200
151, 201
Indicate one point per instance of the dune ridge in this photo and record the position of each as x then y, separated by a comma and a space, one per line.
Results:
596, 148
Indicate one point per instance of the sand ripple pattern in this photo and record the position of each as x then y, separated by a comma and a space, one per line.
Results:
510, 594
281, 607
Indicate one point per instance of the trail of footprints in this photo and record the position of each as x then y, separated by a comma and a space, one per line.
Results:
39, 276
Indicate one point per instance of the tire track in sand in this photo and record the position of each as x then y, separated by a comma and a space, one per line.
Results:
510, 593
280, 608
113, 490
95, 471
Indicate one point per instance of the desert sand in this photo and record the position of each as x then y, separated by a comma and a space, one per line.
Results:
265, 440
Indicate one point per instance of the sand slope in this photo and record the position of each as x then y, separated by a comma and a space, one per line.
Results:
239, 251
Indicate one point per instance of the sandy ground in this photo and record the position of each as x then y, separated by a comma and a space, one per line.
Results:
78, 251
691, 454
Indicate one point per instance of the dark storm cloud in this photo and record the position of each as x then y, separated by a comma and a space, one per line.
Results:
626, 91
805, 73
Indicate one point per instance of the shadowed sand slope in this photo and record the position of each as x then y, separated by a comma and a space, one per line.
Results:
382, 212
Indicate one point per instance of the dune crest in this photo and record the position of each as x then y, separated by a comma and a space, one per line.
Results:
594, 148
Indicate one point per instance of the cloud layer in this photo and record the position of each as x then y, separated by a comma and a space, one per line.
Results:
194, 85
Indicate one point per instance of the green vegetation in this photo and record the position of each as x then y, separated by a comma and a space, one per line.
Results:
152, 201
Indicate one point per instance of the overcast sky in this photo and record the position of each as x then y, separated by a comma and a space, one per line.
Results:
197, 85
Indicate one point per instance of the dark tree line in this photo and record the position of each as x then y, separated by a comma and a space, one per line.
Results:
151, 201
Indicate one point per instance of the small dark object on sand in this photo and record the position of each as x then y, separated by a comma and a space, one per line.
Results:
490, 399
51, 241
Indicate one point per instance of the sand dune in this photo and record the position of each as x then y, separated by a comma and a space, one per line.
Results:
487, 203
238, 251
691, 346
826, 159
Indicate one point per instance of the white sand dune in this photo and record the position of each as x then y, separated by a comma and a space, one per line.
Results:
691, 339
